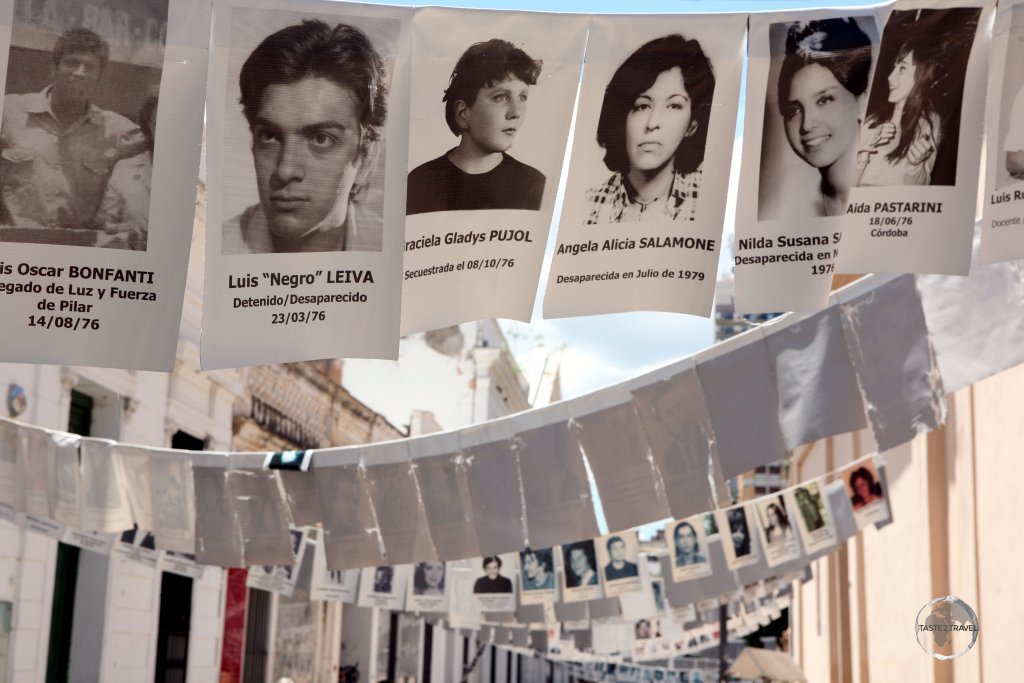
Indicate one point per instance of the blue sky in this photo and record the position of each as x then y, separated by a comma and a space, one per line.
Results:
595, 351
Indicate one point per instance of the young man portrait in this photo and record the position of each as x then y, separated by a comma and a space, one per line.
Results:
315, 99
618, 567
485, 107
58, 149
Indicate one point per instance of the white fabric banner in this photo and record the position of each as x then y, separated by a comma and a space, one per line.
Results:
302, 250
817, 387
174, 509
218, 535
395, 494
105, 506
1002, 225
556, 492
892, 355
35, 452
975, 324
495, 488
645, 198
484, 159
678, 431
740, 389
631, 491
440, 472
350, 532
912, 205
98, 219
807, 79
66, 481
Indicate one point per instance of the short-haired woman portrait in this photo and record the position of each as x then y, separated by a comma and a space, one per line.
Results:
653, 128
485, 106
492, 581
820, 91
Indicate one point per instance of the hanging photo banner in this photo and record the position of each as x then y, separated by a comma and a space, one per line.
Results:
428, 590
864, 488
494, 587
218, 536
687, 548
579, 572
645, 200
807, 82
618, 561
66, 481
440, 472
383, 587
737, 524
338, 585
350, 531
97, 218
35, 452
1002, 225
536, 569
911, 208
396, 500
283, 578
259, 506
302, 251
105, 508
495, 489
812, 514
778, 535
492, 101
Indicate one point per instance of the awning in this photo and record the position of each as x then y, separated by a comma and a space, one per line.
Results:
755, 662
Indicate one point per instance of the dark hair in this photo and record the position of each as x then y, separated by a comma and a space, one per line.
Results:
839, 45
927, 57
492, 558
81, 40
147, 119
312, 49
382, 578
481, 66
543, 557
865, 474
419, 578
613, 539
696, 541
635, 76
781, 512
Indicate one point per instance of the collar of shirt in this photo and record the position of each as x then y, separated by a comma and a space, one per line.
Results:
39, 104
624, 195
257, 235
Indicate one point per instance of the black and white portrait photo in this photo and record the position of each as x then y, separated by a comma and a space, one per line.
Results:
688, 548
383, 580
737, 525
1010, 159
911, 130
485, 105
494, 579
809, 507
305, 132
618, 556
580, 565
778, 529
428, 578
79, 121
537, 570
653, 128
814, 104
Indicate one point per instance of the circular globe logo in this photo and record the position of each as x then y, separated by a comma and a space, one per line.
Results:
946, 627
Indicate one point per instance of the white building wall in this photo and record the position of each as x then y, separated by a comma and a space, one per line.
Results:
204, 640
